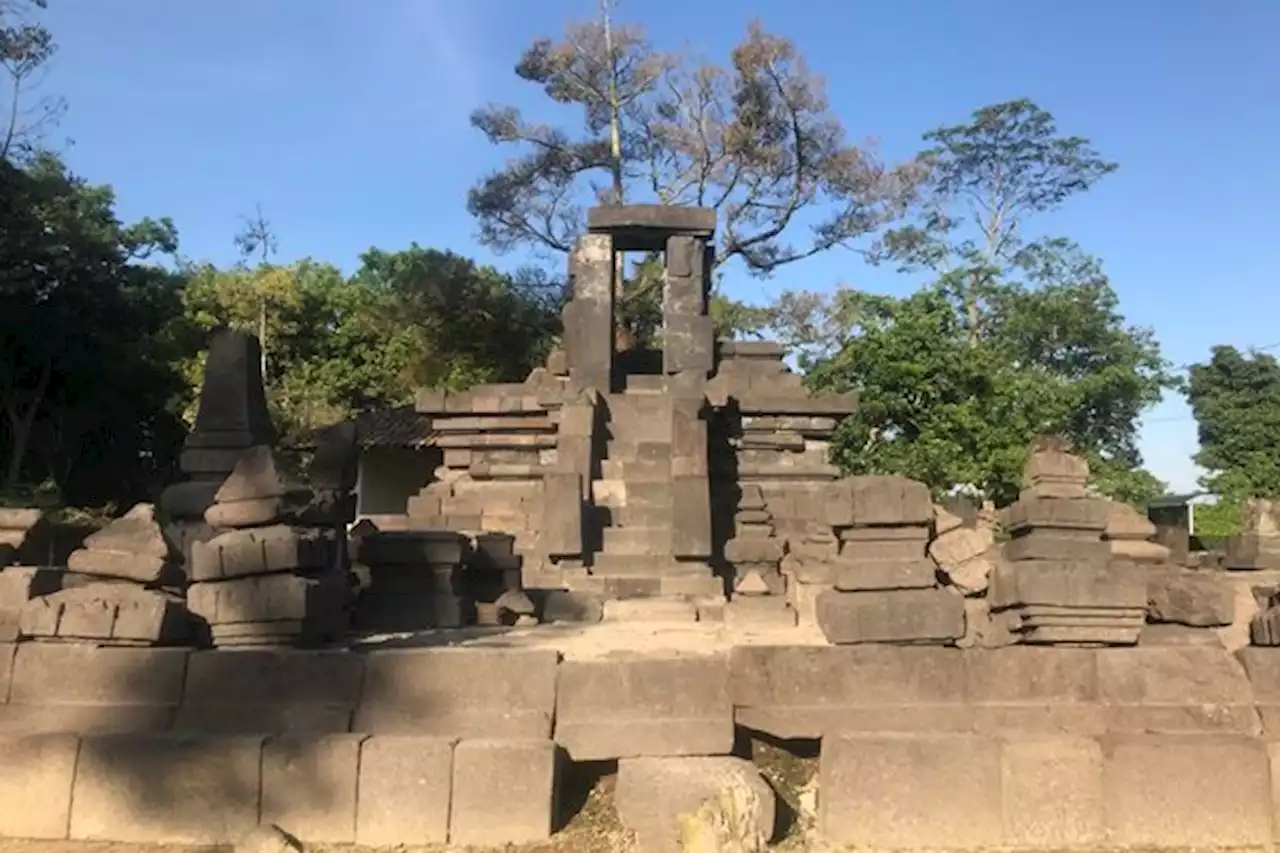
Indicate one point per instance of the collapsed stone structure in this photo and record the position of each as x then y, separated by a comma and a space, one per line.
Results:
961, 691
122, 587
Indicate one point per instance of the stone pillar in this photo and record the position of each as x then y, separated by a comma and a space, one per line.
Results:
688, 341
588, 318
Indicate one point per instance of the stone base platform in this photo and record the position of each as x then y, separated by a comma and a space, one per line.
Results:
464, 737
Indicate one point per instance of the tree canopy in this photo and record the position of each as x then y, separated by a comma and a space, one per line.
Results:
1235, 397
1012, 338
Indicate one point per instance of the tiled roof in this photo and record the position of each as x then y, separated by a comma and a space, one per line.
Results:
398, 427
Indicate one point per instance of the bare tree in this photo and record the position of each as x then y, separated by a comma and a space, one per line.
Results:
257, 237
756, 140
25, 50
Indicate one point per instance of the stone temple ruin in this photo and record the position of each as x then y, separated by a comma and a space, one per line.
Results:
641, 559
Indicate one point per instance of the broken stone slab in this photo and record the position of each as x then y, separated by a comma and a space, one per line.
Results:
1124, 522
925, 616
703, 804
136, 532
1197, 599
255, 476
563, 605
109, 614
257, 512
1139, 551
124, 565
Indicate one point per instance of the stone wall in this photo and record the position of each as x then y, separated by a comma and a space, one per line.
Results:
1040, 748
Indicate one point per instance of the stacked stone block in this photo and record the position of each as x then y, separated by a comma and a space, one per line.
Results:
498, 442
268, 580
886, 589
1057, 578
1131, 536
232, 417
122, 587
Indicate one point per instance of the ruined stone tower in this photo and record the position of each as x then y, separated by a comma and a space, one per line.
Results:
674, 474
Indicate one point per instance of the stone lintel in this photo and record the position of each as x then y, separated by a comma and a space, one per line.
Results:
646, 227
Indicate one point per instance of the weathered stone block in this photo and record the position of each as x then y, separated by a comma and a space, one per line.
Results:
691, 517
1066, 583
878, 501
519, 774
656, 798
644, 706
561, 528
509, 693
1032, 676
48, 673
811, 691
751, 550
141, 568
911, 791
1199, 599
1048, 544
860, 574
35, 786
309, 786
1051, 788
404, 791
688, 343
897, 616
1186, 791
270, 691
1058, 513
166, 789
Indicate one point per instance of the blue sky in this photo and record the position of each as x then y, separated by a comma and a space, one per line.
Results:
347, 120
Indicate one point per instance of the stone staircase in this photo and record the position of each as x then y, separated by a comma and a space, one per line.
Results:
633, 500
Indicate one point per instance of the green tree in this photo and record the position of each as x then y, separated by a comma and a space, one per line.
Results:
755, 139
468, 323
1236, 401
85, 343
1013, 337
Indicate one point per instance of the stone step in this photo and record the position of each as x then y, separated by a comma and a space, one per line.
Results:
617, 565
635, 470
640, 493
637, 541
638, 451
633, 516
650, 610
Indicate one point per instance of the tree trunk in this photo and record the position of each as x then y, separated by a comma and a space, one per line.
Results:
262, 337
21, 426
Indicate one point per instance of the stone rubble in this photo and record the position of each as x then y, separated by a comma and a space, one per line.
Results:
123, 586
